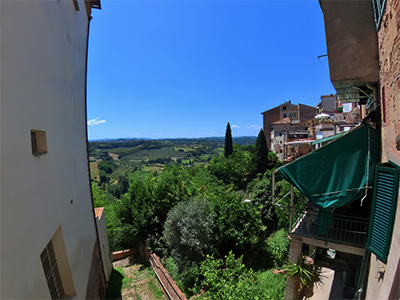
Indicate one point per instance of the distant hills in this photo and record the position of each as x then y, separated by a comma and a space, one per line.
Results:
241, 140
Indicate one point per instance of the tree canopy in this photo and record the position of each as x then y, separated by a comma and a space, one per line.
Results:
228, 141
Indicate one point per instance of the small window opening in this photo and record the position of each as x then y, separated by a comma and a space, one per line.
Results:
284, 115
284, 107
38, 142
76, 5
50, 268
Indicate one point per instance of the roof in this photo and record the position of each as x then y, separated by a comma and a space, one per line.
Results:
282, 121
329, 138
98, 211
300, 141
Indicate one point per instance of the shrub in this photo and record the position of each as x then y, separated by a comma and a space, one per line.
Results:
230, 279
188, 231
278, 246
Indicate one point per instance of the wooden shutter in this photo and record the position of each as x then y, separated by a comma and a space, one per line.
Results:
383, 211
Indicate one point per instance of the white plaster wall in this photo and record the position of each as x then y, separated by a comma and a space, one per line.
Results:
106, 254
43, 61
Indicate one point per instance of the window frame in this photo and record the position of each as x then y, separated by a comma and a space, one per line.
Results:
52, 272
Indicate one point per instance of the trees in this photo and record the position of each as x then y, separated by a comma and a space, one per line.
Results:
189, 231
228, 141
260, 155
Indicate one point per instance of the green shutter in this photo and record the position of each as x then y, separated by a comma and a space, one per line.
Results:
383, 211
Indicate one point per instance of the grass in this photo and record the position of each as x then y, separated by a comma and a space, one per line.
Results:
94, 170
139, 175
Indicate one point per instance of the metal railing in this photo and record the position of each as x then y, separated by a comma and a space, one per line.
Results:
329, 227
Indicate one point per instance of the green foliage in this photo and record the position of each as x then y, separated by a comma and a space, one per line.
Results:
282, 191
278, 247
189, 231
233, 170
261, 196
305, 275
260, 155
103, 177
238, 223
272, 285
230, 279
228, 141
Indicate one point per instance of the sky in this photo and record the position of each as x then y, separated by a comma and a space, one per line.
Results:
175, 69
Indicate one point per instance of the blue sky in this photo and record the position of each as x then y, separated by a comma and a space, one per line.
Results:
165, 69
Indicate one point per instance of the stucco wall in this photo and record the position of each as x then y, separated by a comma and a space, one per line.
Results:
43, 61
270, 116
389, 52
351, 40
106, 254
306, 112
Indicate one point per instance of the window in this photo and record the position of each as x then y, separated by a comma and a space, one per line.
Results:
293, 115
284, 107
384, 200
38, 142
379, 7
50, 268
284, 115
76, 4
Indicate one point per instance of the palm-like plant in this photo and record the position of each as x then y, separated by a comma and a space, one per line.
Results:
306, 275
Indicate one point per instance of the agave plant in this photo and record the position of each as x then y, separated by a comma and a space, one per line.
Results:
306, 275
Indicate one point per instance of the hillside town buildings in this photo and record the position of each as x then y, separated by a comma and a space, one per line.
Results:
53, 246
352, 221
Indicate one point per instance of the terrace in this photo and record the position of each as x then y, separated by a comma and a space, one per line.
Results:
329, 230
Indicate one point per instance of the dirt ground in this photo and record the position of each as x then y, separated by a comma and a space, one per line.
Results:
141, 282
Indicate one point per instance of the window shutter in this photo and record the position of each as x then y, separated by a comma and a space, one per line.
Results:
383, 211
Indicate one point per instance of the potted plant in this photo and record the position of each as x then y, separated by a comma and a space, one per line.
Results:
306, 275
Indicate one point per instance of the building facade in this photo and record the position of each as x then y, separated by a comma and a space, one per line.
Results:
49, 238
353, 221
288, 110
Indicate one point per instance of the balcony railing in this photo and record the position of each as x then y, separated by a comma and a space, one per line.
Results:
328, 227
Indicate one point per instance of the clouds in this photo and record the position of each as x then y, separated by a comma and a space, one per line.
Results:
254, 127
96, 121
251, 127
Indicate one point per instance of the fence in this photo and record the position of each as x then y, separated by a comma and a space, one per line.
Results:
329, 227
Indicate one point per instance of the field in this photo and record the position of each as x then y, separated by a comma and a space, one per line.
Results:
94, 170
136, 159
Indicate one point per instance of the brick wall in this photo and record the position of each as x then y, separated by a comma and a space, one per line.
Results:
96, 288
389, 62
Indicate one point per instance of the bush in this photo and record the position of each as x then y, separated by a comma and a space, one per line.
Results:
189, 231
278, 246
230, 279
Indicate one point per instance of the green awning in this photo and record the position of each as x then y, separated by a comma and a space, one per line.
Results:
336, 174
329, 138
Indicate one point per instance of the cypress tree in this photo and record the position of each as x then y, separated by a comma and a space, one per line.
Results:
228, 141
260, 156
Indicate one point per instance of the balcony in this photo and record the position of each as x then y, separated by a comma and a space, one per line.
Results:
324, 126
332, 231
340, 117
